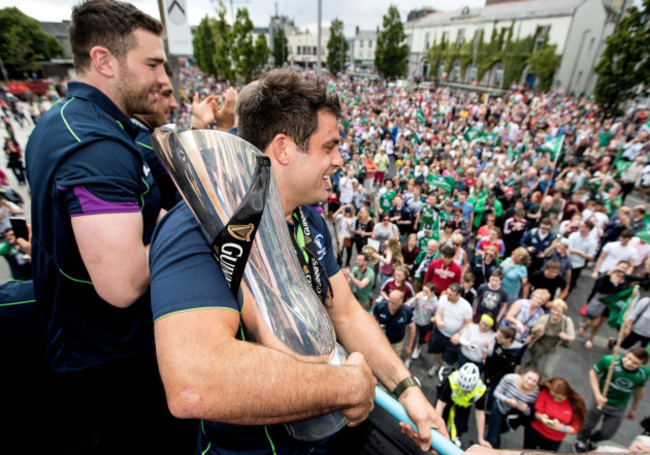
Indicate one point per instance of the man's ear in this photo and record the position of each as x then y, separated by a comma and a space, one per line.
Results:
103, 61
280, 149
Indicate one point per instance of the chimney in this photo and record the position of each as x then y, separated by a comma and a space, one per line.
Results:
356, 32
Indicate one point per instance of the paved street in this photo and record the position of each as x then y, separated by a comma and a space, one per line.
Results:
573, 366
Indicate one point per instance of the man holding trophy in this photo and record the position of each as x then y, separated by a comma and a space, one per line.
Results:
244, 391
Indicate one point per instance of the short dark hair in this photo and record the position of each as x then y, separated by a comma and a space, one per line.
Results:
507, 332
553, 264
497, 273
640, 353
448, 252
106, 23
627, 233
283, 101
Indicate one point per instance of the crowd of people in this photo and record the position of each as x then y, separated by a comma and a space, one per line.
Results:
462, 225
471, 234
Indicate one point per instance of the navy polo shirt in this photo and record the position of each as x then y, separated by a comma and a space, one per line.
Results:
185, 277
394, 324
168, 193
82, 160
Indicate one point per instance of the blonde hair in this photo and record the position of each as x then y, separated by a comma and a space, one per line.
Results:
543, 294
559, 304
521, 256
457, 238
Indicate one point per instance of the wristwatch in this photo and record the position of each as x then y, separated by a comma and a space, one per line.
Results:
405, 384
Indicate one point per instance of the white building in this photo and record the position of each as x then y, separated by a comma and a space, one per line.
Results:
363, 49
303, 48
578, 28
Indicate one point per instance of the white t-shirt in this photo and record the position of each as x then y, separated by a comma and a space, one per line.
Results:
472, 343
616, 253
585, 245
454, 315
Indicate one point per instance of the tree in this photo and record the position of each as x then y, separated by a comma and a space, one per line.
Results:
391, 52
337, 47
24, 43
262, 51
280, 48
623, 71
243, 54
222, 32
204, 45
543, 64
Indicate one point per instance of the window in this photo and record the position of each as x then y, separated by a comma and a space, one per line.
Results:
426, 40
360, 43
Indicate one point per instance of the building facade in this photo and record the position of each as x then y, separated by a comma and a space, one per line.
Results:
578, 28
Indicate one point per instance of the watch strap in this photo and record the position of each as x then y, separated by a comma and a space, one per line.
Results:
405, 384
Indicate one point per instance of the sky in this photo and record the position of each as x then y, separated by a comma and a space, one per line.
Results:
367, 14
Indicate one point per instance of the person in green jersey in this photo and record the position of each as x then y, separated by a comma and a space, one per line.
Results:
386, 197
428, 212
628, 381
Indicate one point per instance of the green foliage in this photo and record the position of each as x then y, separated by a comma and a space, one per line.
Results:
222, 32
280, 48
204, 45
391, 52
337, 47
246, 60
514, 54
623, 70
262, 51
229, 52
23, 43
543, 64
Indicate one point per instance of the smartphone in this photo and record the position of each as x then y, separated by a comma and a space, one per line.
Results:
19, 226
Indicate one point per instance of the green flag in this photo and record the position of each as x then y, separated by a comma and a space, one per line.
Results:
420, 116
442, 182
646, 222
617, 304
510, 155
415, 139
554, 146
471, 134
492, 138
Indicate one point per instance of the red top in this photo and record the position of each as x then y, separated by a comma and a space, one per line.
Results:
442, 276
561, 411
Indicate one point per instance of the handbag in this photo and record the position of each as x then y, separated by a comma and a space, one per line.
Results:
347, 242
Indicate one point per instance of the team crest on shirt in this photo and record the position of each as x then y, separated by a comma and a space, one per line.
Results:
146, 170
319, 240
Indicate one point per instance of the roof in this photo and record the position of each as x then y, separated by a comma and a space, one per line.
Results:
518, 9
56, 28
366, 34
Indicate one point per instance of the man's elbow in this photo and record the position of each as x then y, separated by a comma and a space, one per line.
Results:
185, 402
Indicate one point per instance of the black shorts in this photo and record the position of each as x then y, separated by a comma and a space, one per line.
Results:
441, 344
423, 331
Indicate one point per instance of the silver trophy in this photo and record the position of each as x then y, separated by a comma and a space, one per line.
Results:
217, 173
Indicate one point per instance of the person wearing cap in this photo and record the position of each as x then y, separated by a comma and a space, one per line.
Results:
461, 390
477, 342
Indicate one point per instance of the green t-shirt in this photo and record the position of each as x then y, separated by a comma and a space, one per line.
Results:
364, 294
610, 207
427, 215
623, 382
386, 200
422, 243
